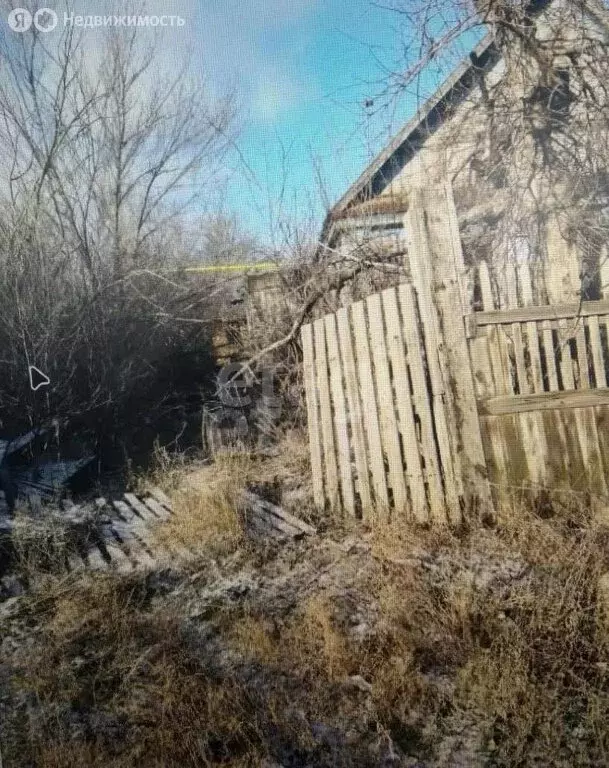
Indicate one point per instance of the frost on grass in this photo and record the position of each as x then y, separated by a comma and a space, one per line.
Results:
361, 647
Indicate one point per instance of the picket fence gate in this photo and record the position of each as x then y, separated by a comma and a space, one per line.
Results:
376, 413
541, 374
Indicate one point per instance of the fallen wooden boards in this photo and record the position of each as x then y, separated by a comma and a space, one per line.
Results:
125, 534
127, 540
266, 519
142, 516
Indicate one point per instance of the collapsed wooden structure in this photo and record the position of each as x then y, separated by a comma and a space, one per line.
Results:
125, 534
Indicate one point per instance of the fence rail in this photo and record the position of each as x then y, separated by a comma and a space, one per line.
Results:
535, 313
578, 398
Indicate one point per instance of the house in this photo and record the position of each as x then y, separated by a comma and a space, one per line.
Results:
242, 301
486, 370
521, 129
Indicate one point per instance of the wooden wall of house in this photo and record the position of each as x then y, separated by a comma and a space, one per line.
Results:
270, 303
226, 341
497, 217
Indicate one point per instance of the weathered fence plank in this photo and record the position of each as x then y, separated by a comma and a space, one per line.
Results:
524, 273
389, 426
535, 313
499, 364
537, 448
517, 339
582, 356
358, 434
340, 416
430, 238
373, 432
598, 365
327, 427
397, 357
566, 363
421, 398
315, 447
541, 401
550, 355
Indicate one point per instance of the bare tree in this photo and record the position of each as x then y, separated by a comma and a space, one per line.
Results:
527, 139
100, 160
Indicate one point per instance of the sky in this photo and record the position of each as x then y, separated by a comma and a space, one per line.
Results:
302, 72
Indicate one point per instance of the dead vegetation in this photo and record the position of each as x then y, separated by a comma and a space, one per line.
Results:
206, 506
366, 647
40, 546
110, 660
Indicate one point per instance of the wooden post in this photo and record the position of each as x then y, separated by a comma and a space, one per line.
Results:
438, 270
313, 419
604, 271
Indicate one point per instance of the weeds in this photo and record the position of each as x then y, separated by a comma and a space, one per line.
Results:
40, 547
206, 507
110, 656
485, 647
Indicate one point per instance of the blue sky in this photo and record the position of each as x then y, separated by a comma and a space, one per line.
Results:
303, 70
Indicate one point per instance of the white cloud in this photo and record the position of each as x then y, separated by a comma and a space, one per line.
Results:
251, 42
273, 94
243, 43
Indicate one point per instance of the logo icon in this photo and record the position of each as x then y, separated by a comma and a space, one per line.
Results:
20, 20
37, 378
45, 20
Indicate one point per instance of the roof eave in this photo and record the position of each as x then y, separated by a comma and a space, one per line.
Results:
480, 57
409, 139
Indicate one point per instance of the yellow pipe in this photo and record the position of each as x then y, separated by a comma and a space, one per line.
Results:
257, 265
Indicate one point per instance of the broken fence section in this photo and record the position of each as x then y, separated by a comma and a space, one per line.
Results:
376, 411
123, 534
268, 521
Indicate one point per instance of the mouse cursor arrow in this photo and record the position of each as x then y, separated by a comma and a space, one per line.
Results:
37, 378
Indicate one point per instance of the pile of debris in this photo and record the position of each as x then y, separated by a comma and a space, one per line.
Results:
27, 471
101, 535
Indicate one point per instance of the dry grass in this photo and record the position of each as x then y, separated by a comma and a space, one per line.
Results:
311, 643
108, 654
292, 462
537, 669
207, 501
522, 654
500, 633
206, 506
527, 656
40, 546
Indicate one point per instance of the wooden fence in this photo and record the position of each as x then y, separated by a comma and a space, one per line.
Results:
376, 411
440, 395
541, 376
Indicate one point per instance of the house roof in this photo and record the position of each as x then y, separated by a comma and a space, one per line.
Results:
390, 161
